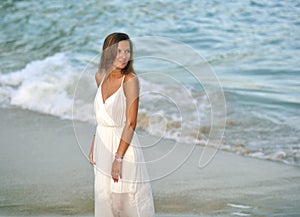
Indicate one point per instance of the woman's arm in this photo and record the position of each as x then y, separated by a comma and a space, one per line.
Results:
98, 77
131, 90
91, 155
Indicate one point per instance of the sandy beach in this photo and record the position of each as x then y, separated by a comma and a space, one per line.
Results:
45, 173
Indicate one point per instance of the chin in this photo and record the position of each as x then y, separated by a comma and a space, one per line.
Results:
122, 66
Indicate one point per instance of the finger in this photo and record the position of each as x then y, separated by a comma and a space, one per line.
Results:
114, 174
120, 169
114, 178
92, 162
120, 174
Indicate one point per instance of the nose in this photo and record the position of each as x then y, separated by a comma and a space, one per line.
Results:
122, 55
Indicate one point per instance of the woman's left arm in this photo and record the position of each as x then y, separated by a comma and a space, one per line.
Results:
131, 90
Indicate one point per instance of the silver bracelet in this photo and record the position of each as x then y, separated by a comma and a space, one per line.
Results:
119, 158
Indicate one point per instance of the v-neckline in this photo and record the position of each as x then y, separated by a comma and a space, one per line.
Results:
104, 101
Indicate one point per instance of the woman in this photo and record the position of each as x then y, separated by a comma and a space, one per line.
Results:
121, 189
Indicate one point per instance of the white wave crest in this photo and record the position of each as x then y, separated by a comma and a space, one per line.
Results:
43, 86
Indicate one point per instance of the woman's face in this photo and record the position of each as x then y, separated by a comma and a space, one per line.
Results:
123, 55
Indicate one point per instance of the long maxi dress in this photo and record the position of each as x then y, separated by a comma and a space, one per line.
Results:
131, 196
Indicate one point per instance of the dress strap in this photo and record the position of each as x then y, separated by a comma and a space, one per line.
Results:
102, 80
123, 80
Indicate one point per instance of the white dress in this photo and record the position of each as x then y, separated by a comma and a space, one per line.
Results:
131, 196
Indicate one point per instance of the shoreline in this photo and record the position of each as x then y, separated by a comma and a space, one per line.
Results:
46, 174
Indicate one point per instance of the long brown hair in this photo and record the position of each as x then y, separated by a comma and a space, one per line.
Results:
109, 52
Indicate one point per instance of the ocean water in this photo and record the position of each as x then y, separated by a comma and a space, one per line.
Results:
50, 51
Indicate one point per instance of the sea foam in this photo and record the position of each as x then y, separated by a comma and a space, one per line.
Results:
43, 86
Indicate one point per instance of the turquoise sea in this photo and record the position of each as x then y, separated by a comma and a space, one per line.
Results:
50, 51
253, 47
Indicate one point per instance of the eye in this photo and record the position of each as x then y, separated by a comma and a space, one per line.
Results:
127, 51
119, 51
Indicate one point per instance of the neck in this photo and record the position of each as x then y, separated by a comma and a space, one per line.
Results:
116, 72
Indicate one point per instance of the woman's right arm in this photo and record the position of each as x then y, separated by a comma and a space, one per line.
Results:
91, 155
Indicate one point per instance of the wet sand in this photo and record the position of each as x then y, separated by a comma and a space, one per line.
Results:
44, 172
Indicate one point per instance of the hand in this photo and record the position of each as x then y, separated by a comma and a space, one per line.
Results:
91, 158
116, 170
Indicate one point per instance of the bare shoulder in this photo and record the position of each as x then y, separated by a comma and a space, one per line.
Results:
131, 85
98, 78
131, 77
